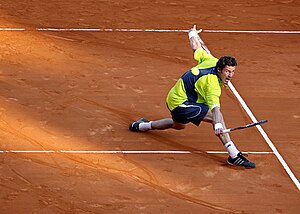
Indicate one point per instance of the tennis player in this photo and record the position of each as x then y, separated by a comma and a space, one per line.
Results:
196, 97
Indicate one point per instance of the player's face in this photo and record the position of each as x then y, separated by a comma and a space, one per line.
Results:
226, 74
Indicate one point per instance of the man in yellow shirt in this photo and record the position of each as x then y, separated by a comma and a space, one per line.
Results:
196, 97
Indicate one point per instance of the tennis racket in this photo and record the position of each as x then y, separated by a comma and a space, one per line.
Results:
245, 126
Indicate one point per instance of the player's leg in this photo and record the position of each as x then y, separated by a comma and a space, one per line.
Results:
166, 123
181, 115
143, 125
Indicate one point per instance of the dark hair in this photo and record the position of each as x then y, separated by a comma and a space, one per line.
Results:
226, 60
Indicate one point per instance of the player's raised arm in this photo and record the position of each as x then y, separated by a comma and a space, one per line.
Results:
195, 40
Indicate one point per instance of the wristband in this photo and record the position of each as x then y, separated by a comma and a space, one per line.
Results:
192, 33
218, 126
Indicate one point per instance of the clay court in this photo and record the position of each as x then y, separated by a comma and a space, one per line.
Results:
67, 98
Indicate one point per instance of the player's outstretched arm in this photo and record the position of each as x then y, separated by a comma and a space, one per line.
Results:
195, 40
219, 125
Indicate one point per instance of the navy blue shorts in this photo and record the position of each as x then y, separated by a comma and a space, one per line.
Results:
190, 112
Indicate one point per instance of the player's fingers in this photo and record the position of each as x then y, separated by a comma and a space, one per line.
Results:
199, 31
219, 132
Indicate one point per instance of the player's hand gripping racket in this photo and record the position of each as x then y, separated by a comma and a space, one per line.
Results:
245, 126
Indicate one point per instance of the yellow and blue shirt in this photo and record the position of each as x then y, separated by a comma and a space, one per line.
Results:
198, 85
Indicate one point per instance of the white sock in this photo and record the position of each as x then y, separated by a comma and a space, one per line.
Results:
231, 149
145, 126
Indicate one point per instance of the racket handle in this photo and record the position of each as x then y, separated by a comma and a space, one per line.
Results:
226, 131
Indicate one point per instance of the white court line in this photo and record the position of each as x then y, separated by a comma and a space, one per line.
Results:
151, 30
265, 136
124, 152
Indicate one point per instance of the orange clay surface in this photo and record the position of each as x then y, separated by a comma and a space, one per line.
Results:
78, 91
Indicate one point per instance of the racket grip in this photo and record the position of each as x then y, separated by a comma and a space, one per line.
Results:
226, 131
